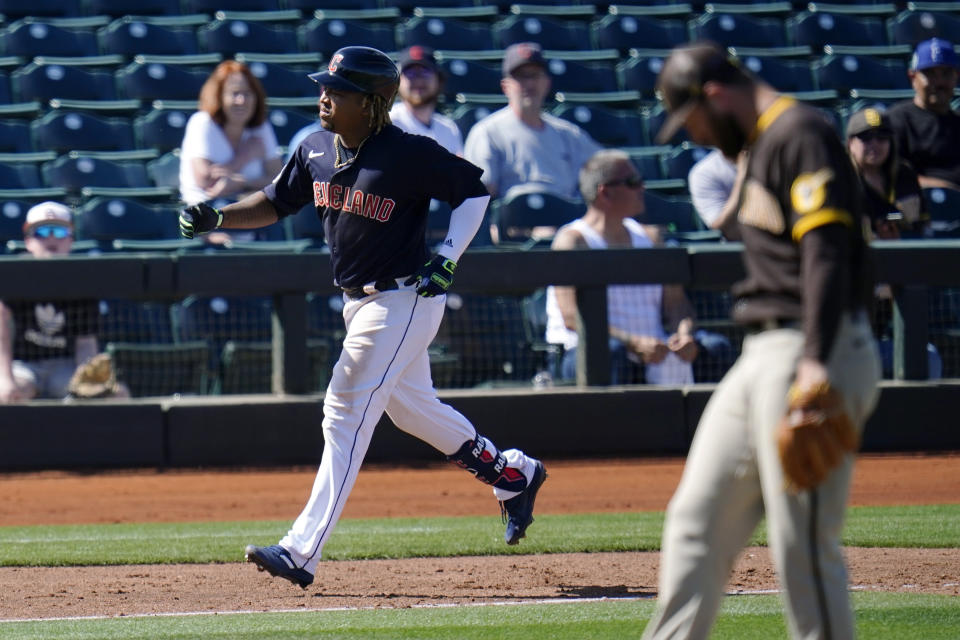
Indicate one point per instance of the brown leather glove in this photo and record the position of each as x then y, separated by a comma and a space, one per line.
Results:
814, 435
94, 378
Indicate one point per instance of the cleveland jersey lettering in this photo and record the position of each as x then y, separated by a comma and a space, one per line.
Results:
356, 202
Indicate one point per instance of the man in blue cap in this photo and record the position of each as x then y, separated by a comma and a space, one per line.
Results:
926, 128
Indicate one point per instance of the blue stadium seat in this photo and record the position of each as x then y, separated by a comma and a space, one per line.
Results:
75, 171
160, 129
229, 37
286, 122
148, 81
119, 8
444, 34
944, 209
639, 73
647, 161
911, 27
675, 214
625, 32
63, 131
14, 9
30, 38
137, 321
609, 127
129, 36
470, 76
19, 175
15, 136
45, 81
106, 219
467, 115
549, 33
326, 36
6, 94
516, 215
283, 80
310, 5
212, 6
407, 6
846, 72
738, 30
783, 74
13, 213
678, 162
165, 170
816, 29
575, 76
153, 369
655, 117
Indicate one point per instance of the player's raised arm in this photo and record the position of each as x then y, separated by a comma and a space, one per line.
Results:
252, 212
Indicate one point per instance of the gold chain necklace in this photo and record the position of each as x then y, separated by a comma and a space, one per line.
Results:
338, 146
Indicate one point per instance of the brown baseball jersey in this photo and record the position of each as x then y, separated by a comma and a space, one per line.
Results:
801, 216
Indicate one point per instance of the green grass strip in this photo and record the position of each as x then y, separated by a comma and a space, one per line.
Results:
918, 526
891, 616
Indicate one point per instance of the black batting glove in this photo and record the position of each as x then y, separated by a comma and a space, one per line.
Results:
200, 218
433, 278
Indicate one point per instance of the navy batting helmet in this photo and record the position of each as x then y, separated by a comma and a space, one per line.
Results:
362, 69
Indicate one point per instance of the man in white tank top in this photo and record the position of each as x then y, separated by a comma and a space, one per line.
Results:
613, 191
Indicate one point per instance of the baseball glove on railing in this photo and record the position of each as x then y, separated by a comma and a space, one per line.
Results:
95, 378
814, 436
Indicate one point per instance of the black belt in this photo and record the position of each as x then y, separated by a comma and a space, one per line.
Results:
356, 293
772, 324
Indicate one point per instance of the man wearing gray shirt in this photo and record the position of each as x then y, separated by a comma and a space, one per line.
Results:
522, 145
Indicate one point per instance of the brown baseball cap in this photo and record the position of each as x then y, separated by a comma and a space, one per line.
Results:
681, 80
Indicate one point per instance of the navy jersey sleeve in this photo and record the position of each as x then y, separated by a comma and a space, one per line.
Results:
447, 177
293, 186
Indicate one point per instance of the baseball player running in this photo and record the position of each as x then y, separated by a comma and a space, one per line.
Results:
371, 183
777, 435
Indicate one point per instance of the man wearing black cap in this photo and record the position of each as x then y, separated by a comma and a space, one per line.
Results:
522, 145
802, 304
371, 184
421, 82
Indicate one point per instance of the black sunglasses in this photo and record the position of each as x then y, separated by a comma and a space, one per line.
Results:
633, 182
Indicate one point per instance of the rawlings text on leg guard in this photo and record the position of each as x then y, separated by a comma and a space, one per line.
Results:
482, 459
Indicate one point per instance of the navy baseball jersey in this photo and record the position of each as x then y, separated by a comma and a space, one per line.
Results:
374, 208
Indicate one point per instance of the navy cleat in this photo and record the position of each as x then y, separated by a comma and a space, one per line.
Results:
276, 561
517, 512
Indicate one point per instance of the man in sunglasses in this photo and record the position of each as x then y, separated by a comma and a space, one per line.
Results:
613, 190
42, 343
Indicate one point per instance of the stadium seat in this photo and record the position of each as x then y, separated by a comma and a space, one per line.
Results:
165, 170
63, 131
647, 160
229, 37
212, 6
818, 28
639, 73
6, 94
326, 36
407, 6
609, 127
129, 36
470, 76
30, 38
467, 115
678, 162
575, 76
13, 213
287, 122
845, 72
162, 369
247, 367
784, 75
148, 81
15, 137
444, 34
107, 219
74, 171
119, 8
738, 30
655, 117
160, 129
14, 9
283, 80
137, 321
625, 32
19, 175
561, 35
674, 213
516, 215
310, 5
944, 209
42, 82
911, 27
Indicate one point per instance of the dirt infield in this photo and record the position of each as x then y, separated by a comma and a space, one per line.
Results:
573, 487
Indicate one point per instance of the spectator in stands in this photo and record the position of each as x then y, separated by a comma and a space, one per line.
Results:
229, 147
714, 183
890, 186
521, 144
421, 83
613, 190
41, 342
927, 129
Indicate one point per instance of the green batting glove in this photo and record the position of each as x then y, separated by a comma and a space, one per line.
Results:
200, 218
433, 278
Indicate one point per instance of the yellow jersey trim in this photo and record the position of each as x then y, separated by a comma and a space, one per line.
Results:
771, 113
820, 218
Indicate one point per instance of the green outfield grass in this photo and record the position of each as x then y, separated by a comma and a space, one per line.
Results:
879, 615
916, 526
